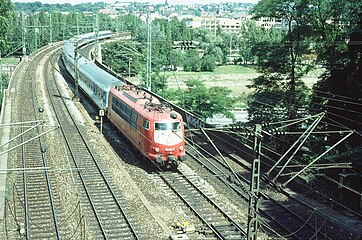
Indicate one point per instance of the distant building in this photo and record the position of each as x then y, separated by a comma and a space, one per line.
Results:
211, 23
120, 5
108, 11
233, 23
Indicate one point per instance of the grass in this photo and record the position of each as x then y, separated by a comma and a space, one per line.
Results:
10, 61
234, 77
234, 69
228, 69
237, 78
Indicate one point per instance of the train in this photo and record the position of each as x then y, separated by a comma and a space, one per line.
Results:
153, 127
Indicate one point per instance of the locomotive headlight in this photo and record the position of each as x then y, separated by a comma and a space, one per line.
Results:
181, 148
157, 149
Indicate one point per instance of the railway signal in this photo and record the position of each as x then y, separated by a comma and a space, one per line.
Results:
183, 45
101, 115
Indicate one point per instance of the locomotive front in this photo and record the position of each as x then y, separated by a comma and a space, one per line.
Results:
168, 145
151, 126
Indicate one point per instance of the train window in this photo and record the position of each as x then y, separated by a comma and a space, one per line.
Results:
146, 124
123, 106
128, 111
134, 116
168, 126
176, 126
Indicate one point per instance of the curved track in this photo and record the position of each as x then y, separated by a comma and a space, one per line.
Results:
106, 217
33, 190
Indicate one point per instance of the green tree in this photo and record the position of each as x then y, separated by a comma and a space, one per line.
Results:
123, 56
175, 59
250, 35
192, 61
208, 63
5, 19
5, 16
179, 30
279, 61
205, 102
339, 90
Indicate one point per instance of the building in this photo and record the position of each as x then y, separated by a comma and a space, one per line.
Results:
211, 23
233, 23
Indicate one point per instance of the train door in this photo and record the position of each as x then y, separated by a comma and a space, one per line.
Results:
145, 134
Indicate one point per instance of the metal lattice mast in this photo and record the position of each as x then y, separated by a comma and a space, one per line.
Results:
36, 31
50, 28
253, 209
149, 46
1, 75
24, 33
96, 30
76, 97
77, 20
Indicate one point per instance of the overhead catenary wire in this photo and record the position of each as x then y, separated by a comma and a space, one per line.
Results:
339, 124
351, 120
338, 108
311, 108
301, 227
316, 159
339, 95
337, 100
289, 97
244, 136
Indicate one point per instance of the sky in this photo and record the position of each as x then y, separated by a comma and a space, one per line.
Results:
150, 1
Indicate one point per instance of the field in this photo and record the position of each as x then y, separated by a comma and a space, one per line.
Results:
233, 77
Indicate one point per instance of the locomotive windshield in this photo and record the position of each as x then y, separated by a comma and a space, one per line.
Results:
168, 126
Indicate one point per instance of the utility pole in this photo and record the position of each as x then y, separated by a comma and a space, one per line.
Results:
63, 29
98, 47
253, 209
36, 30
50, 28
76, 97
77, 19
230, 50
129, 68
149, 46
24, 33
1, 75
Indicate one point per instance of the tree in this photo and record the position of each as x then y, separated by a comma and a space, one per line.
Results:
179, 30
206, 102
339, 90
279, 60
175, 59
250, 35
208, 63
5, 15
192, 61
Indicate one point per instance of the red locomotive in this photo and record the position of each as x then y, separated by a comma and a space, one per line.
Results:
153, 128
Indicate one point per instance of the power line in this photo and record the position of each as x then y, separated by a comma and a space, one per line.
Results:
337, 100
288, 97
331, 113
334, 94
338, 108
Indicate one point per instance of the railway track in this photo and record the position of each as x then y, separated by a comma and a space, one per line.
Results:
188, 188
102, 204
35, 213
286, 214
